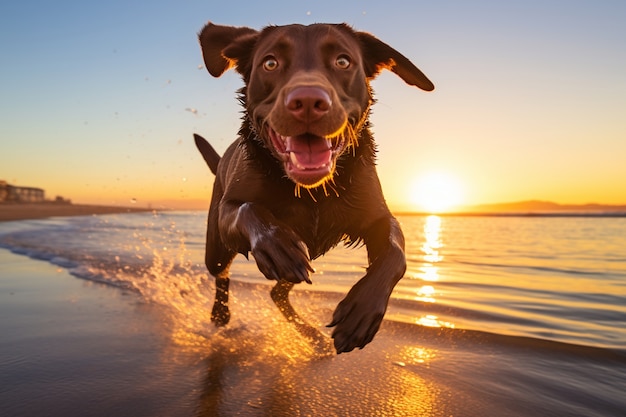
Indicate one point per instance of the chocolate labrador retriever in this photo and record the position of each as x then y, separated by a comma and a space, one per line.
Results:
301, 177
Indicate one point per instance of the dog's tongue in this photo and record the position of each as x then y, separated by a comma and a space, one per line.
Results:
309, 151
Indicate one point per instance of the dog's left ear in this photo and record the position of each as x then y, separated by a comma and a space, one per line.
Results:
224, 47
377, 56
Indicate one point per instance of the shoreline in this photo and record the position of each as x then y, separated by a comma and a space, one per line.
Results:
30, 211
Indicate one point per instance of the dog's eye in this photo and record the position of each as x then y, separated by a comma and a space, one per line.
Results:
270, 63
342, 62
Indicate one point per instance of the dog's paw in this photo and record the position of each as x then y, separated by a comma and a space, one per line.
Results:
357, 318
280, 254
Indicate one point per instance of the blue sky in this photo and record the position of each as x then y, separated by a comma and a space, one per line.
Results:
99, 100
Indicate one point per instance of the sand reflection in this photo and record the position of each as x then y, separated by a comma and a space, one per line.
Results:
242, 379
264, 366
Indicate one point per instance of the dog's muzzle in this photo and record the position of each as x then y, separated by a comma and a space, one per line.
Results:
308, 160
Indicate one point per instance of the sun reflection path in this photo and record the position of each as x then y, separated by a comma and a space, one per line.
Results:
426, 293
431, 320
417, 355
431, 256
432, 244
429, 270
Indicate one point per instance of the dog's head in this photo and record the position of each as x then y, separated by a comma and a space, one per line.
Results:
307, 91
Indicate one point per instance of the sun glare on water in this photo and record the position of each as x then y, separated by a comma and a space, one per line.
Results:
437, 192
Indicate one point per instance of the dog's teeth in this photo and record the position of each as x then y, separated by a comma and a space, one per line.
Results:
294, 160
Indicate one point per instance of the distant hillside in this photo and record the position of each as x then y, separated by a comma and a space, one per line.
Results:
536, 206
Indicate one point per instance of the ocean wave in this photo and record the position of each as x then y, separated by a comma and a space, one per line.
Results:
536, 268
522, 343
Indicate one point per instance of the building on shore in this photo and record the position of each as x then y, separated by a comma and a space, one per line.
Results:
17, 194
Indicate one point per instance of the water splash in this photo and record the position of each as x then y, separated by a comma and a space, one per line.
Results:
185, 293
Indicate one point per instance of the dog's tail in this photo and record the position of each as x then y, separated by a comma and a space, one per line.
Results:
208, 153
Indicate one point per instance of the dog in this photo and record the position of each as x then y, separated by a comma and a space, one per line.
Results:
301, 177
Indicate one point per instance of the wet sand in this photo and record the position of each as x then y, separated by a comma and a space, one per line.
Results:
70, 347
10, 211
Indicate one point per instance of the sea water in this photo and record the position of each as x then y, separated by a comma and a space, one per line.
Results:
560, 279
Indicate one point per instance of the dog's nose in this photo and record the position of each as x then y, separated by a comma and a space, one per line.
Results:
308, 104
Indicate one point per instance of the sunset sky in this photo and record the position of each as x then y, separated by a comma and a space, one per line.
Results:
99, 100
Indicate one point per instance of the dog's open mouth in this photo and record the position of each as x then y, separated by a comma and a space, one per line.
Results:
309, 160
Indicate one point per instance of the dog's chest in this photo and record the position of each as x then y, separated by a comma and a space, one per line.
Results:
320, 226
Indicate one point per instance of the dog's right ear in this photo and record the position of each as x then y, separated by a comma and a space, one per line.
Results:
224, 47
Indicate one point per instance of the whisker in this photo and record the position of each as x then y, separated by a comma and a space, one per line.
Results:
311, 194
331, 185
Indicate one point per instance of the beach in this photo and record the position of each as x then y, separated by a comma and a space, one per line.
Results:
77, 342
71, 347
25, 211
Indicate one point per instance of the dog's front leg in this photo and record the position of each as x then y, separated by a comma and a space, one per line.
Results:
280, 296
359, 315
277, 250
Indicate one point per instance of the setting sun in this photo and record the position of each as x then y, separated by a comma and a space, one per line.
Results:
437, 192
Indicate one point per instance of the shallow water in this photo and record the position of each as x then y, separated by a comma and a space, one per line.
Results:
560, 279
